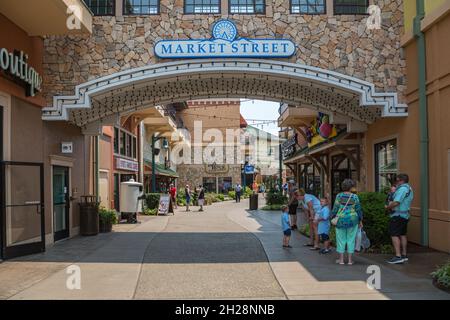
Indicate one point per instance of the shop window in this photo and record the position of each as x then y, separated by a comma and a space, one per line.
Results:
201, 6
310, 179
247, 6
129, 146
116, 140
209, 184
386, 164
125, 144
101, 7
140, 7
225, 184
134, 145
351, 6
308, 6
123, 137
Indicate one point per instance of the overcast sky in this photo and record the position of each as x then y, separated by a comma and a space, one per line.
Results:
261, 110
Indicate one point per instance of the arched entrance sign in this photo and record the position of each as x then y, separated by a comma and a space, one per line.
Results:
299, 85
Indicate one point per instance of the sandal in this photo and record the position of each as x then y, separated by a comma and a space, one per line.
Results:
339, 262
350, 263
308, 245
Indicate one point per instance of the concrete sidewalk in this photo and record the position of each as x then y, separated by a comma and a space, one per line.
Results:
305, 274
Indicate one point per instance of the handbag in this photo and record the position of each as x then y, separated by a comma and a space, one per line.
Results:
335, 220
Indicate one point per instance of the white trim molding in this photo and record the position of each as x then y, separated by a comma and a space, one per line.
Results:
296, 84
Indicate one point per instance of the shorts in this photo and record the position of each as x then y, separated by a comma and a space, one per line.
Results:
293, 210
188, 200
324, 237
287, 232
201, 202
398, 226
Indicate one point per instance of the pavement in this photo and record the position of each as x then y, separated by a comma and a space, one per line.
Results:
225, 252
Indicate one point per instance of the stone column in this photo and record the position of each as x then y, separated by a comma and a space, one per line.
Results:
330, 7
119, 8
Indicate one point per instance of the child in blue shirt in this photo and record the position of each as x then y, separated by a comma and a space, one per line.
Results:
286, 226
323, 228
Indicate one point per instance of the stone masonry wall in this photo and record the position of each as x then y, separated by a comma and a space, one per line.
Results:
339, 43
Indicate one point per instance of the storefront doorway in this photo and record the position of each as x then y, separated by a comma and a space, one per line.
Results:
22, 208
61, 203
342, 168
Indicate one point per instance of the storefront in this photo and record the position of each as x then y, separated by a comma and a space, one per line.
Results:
42, 164
164, 177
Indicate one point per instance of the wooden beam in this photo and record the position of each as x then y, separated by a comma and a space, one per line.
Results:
355, 161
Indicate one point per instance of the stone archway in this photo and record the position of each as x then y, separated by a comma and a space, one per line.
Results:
330, 92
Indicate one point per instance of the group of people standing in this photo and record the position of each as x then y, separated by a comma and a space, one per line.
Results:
347, 216
188, 196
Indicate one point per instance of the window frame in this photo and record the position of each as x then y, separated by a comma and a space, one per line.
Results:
132, 148
141, 14
350, 14
377, 159
247, 13
113, 14
325, 8
193, 13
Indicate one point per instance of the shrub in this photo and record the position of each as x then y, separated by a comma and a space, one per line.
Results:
107, 216
442, 276
210, 198
150, 212
232, 194
152, 200
278, 198
272, 207
181, 197
376, 220
247, 192
220, 197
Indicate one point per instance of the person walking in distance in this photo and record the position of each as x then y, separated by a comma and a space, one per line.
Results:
399, 209
173, 195
187, 192
201, 197
238, 190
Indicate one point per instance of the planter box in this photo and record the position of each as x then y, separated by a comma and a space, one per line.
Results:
105, 227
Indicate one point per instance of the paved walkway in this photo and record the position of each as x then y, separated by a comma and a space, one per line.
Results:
225, 252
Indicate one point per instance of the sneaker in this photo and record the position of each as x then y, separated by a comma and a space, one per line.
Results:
405, 258
396, 260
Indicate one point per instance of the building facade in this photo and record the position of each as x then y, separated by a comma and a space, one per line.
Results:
344, 69
214, 159
43, 164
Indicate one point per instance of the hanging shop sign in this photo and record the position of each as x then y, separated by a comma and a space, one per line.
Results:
289, 147
225, 44
249, 169
124, 164
320, 130
215, 168
15, 66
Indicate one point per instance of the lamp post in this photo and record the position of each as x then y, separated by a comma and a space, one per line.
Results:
165, 146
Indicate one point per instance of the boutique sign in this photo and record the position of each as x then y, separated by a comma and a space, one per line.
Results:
225, 44
15, 66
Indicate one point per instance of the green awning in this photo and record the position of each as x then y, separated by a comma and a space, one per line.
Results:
161, 170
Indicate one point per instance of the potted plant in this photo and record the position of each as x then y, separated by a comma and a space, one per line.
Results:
106, 219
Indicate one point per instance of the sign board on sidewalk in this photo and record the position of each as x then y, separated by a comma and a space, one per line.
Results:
165, 204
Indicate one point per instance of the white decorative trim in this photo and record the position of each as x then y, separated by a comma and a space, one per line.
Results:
302, 77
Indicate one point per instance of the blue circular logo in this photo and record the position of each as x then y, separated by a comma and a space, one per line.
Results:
224, 29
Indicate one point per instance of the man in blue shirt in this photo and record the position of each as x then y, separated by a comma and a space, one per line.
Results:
399, 210
286, 226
